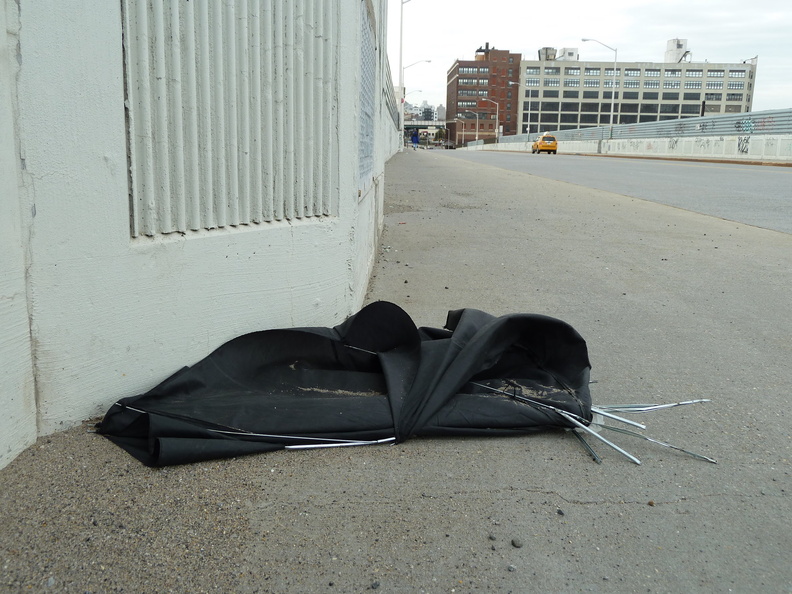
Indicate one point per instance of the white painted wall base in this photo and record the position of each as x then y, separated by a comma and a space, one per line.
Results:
766, 148
17, 389
91, 312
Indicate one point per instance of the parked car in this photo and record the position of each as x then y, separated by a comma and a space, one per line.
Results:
545, 143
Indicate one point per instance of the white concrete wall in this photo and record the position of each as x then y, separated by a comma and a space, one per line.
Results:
111, 315
765, 148
17, 395
769, 148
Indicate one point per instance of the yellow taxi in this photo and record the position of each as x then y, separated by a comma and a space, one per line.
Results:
546, 143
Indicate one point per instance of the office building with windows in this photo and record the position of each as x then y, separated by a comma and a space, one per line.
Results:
482, 96
560, 92
498, 92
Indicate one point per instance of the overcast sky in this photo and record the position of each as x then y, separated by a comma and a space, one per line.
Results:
717, 31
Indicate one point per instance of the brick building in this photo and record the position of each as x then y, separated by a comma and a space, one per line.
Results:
487, 87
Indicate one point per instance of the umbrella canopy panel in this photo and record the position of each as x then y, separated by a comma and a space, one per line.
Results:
375, 377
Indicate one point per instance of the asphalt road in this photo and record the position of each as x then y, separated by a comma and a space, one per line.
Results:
752, 194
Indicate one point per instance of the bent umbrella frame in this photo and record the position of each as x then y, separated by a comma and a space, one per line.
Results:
376, 378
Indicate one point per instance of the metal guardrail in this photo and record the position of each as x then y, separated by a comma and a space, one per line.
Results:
739, 124
389, 99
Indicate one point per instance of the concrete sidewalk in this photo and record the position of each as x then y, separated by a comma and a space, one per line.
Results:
674, 306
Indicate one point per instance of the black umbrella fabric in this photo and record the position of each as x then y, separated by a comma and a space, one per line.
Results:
374, 378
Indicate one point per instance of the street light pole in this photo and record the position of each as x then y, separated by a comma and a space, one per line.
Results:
613, 88
477, 124
401, 72
463, 130
403, 94
497, 118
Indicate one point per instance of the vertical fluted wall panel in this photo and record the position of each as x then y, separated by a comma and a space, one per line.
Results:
231, 112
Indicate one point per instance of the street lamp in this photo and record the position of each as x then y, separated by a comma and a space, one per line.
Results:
463, 131
613, 88
477, 124
511, 84
497, 119
401, 84
401, 45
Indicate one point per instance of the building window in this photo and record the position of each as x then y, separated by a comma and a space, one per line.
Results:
714, 84
552, 82
651, 96
588, 118
609, 72
570, 106
511, 73
737, 85
608, 83
467, 81
632, 84
634, 72
692, 84
630, 95
571, 82
649, 108
483, 82
547, 93
628, 108
651, 84
531, 82
572, 70
549, 105
590, 94
591, 82
466, 104
694, 73
670, 96
691, 109
673, 73
669, 108
571, 94
484, 70
734, 96
569, 118
589, 107
671, 84
482, 93
593, 72
652, 72
713, 96
531, 70
511, 59
552, 70
691, 97
736, 73
715, 73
